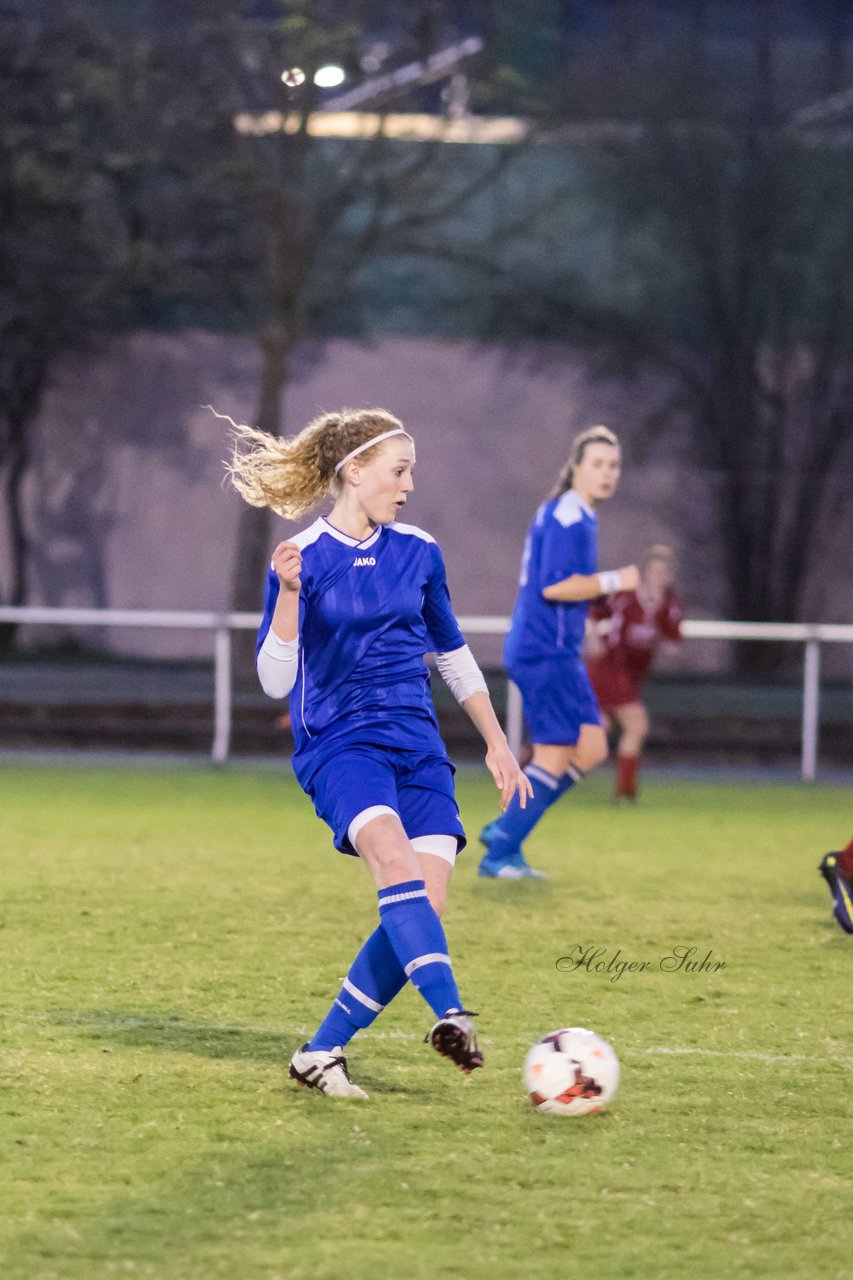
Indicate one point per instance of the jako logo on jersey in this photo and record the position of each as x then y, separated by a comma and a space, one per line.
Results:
364, 560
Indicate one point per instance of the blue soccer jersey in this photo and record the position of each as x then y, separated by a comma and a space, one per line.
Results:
369, 612
561, 541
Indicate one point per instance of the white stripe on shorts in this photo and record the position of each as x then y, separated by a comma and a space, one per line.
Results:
361, 819
441, 846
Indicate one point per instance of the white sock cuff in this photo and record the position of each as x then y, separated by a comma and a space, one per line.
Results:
537, 774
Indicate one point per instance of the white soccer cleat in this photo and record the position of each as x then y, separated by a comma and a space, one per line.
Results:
325, 1070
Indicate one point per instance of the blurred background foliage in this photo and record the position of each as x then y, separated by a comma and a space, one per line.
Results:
676, 200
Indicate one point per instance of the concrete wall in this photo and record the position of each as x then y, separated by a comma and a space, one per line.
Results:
128, 507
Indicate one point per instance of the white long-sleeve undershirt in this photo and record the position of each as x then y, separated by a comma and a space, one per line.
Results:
459, 671
278, 663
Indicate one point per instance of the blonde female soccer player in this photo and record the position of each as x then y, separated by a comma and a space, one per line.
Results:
353, 603
542, 650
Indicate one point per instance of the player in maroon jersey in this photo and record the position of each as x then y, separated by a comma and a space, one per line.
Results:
625, 630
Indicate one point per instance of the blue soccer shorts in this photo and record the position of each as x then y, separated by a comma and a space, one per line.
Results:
558, 699
417, 786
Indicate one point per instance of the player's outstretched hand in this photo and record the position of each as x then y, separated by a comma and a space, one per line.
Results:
287, 562
508, 775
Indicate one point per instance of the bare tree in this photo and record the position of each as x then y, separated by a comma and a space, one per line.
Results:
51, 276
187, 179
102, 225
758, 221
732, 272
322, 210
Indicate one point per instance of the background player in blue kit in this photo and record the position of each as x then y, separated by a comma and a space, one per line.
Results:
542, 650
353, 604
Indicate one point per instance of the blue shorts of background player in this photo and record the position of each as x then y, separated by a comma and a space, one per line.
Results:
558, 699
364, 779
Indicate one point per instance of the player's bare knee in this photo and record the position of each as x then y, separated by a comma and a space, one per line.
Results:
384, 831
383, 846
395, 864
591, 755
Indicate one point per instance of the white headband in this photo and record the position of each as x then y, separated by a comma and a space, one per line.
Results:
386, 435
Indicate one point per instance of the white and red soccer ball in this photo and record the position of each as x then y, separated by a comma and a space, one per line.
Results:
572, 1072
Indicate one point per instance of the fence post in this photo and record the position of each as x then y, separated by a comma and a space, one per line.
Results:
514, 729
221, 695
811, 709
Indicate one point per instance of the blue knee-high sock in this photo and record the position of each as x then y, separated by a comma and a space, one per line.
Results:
515, 824
375, 978
416, 934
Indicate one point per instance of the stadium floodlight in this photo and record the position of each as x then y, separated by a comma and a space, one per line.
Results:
439, 66
355, 112
329, 77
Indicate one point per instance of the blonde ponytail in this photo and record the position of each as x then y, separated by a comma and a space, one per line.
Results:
291, 476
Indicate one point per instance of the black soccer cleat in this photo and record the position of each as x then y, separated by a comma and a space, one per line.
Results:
841, 889
454, 1037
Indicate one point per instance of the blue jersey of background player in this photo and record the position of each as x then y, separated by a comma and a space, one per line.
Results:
353, 604
561, 541
542, 650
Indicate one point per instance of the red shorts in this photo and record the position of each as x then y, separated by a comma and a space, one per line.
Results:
613, 687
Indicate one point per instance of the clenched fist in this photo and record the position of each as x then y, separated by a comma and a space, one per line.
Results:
287, 563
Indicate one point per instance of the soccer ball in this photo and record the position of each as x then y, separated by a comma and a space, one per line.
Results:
572, 1072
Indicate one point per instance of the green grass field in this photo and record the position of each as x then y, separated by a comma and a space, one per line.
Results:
168, 937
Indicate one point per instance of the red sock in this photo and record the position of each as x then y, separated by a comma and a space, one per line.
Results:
845, 861
626, 775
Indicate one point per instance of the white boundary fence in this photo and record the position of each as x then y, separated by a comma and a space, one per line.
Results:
810, 635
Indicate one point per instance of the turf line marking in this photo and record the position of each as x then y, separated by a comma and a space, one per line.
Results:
671, 1051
